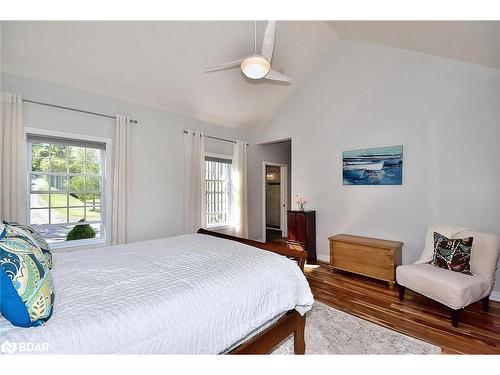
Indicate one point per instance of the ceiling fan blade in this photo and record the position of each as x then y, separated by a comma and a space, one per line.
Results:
268, 43
274, 75
230, 64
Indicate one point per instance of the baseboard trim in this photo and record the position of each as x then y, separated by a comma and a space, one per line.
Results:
495, 296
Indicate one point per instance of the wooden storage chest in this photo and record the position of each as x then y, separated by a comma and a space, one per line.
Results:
366, 256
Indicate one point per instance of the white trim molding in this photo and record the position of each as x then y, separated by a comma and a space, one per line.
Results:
495, 296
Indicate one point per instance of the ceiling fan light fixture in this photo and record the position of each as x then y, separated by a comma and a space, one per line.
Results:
255, 67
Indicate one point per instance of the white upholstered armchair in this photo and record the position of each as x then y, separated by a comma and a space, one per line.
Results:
453, 289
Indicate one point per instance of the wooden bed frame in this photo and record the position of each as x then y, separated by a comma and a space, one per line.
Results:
291, 322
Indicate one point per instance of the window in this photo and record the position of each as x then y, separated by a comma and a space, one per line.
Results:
218, 191
65, 185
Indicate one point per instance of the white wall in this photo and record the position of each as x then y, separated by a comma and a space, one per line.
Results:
445, 113
156, 198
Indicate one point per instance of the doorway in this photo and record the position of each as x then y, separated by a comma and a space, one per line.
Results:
275, 202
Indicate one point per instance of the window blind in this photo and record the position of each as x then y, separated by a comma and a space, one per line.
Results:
35, 138
218, 160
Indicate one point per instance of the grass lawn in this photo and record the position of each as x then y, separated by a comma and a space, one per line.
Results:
61, 201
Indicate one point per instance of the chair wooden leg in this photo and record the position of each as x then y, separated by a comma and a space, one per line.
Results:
486, 303
299, 342
402, 290
455, 317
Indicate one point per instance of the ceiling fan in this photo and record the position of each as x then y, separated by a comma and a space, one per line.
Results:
257, 66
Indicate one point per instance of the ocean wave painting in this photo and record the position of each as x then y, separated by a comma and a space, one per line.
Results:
373, 166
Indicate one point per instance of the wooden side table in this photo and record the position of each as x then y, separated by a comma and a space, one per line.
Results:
366, 256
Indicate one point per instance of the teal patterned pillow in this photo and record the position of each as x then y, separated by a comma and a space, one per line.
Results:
36, 238
26, 289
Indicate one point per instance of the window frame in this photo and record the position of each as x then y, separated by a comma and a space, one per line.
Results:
106, 184
229, 224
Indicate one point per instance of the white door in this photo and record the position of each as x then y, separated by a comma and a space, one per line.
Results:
283, 194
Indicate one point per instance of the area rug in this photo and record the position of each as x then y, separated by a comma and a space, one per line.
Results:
330, 331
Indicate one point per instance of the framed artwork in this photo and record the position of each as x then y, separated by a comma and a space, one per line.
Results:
373, 166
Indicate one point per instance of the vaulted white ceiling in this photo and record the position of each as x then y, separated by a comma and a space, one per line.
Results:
160, 64
475, 42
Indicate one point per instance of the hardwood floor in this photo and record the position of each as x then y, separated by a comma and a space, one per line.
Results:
417, 316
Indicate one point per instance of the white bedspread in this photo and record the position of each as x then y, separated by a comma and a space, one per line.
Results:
183, 294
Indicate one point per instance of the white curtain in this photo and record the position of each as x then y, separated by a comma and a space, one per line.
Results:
194, 182
120, 181
239, 186
12, 159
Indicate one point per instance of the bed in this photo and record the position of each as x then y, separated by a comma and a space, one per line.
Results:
203, 293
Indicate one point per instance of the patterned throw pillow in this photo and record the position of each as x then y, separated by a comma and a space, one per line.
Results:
26, 289
452, 254
36, 238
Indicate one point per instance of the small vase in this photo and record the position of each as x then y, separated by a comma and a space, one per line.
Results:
301, 207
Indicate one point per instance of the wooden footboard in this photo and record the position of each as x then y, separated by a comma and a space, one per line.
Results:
291, 322
265, 341
296, 254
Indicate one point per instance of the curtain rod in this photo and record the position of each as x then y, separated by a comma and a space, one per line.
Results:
217, 138
74, 109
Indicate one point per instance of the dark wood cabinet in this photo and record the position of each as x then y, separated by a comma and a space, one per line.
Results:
302, 230
290, 220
